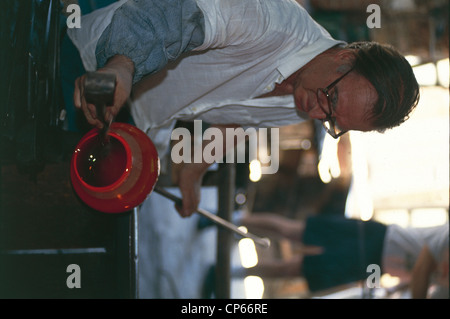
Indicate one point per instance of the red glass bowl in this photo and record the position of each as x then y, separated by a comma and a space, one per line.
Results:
118, 178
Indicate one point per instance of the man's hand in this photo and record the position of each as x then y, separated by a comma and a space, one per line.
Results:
189, 179
189, 176
123, 68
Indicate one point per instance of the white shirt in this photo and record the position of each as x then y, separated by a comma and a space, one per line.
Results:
402, 247
249, 46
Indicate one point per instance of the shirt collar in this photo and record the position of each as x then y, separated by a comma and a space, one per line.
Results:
297, 60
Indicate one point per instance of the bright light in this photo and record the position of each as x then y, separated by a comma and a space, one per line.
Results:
443, 72
324, 172
388, 281
255, 170
428, 73
247, 253
254, 287
243, 229
366, 214
428, 217
401, 176
328, 167
412, 59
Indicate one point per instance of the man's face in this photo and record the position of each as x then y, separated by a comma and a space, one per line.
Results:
352, 98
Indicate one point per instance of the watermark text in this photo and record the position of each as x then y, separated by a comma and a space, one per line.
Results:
215, 145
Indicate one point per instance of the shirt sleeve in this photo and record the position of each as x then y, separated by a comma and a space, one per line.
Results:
151, 33
233, 22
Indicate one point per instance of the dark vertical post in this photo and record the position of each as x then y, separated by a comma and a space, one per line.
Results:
127, 254
134, 253
226, 185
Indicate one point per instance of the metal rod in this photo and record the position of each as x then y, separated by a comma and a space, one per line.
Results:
225, 185
134, 253
264, 242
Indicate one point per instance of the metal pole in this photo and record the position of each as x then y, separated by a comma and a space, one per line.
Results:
134, 253
226, 206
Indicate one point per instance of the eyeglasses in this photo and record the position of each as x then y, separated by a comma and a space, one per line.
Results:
326, 104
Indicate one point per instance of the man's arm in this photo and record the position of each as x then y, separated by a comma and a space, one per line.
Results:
140, 39
151, 33
420, 277
190, 175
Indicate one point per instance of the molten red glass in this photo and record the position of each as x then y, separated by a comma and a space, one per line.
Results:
102, 162
117, 174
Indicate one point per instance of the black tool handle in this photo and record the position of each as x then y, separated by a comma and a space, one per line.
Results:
99, 90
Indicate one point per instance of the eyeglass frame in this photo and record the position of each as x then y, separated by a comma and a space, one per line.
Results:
329, 113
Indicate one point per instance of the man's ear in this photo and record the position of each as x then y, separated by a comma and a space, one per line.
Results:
346, 56
344, 59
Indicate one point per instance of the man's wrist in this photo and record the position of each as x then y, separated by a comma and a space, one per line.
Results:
121, 62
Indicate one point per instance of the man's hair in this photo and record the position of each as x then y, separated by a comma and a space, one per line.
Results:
393, 78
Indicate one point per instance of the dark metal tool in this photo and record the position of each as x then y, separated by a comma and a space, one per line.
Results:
264, 242
99, 90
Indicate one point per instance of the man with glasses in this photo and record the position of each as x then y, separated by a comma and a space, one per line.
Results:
327, 105
232, 62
